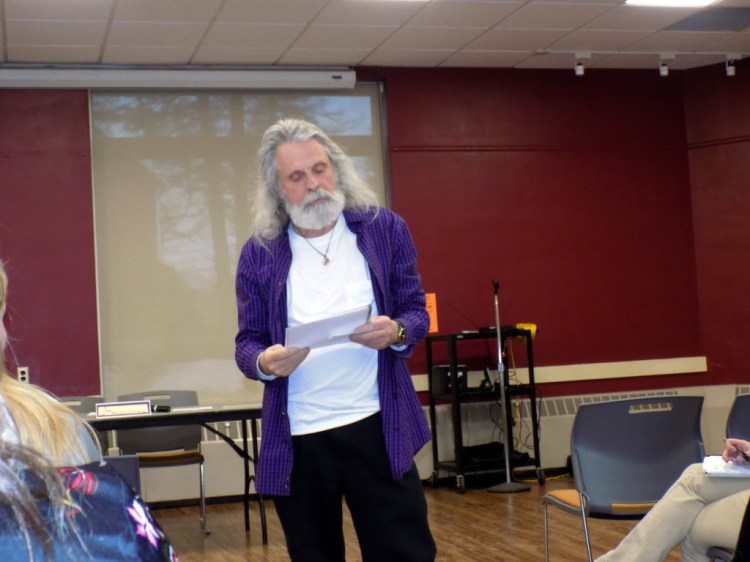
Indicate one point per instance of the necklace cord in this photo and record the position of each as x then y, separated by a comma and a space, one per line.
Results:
324, 255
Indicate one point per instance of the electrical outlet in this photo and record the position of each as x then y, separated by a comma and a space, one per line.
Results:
23, 374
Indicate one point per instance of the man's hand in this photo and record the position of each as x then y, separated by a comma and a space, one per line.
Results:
736, 450
282, 361
378, 333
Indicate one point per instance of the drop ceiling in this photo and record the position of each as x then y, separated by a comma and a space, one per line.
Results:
336, 33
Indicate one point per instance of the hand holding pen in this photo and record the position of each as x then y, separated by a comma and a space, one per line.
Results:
743, 454
737, 450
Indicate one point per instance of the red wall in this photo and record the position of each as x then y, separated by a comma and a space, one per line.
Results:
47, 238
579, 195
718, 134
573, 193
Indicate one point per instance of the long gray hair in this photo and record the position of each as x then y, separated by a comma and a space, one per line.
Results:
269, 214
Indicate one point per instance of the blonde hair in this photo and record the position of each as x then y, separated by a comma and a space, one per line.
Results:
21, 496
43, 423
3, 285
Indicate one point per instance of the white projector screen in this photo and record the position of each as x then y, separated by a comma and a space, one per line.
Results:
173, 174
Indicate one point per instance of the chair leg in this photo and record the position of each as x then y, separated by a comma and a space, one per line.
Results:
586, 528
546, 536
204, 525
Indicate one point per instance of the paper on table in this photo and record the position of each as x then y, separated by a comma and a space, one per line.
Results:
328, 331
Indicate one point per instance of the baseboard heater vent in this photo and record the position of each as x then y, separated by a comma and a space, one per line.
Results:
568, 405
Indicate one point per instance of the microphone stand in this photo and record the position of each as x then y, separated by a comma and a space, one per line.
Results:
507, 487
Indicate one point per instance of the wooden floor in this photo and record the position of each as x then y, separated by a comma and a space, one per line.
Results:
476, 526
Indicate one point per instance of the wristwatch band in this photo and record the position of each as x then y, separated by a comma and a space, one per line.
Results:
401, 337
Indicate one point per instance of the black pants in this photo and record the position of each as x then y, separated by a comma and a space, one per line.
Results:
742, 551
390, 516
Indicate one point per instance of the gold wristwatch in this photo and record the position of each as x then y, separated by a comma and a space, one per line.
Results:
401, 337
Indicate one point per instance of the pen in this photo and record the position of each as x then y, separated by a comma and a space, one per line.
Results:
742, 453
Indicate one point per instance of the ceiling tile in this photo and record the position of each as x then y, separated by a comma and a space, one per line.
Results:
638, 18
516, 39
166, 10
675, 41
735, 43
407, 57
333, 57
343, 36
247, 35
54, 10
486, 59
548, 60
715, 19
368, 12
595, 40
142, 55
159, 34
609, 3
265, 11
464, 14
60, 54
221, 55
432, 37
537, 15
40, 32
485, 33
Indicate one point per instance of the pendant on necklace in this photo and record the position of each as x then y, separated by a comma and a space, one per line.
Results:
326, 259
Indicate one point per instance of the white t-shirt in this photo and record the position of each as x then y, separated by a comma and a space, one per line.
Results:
335, 385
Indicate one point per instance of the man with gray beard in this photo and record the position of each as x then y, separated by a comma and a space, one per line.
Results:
340, 421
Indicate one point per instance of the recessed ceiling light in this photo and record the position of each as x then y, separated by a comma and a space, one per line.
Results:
671, 3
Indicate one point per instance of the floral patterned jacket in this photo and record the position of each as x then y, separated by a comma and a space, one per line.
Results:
111, 521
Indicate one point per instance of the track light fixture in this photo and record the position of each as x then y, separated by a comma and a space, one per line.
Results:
580, 56
730, 68
663, 69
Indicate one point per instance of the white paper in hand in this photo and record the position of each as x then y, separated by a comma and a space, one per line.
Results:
328, 331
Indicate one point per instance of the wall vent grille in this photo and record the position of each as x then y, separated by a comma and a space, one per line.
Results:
568, 405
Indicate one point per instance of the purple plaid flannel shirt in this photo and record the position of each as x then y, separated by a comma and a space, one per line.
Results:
385, 241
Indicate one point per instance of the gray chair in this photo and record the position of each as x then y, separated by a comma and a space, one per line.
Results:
738, 420
738, 425
167, 446
84, 405
625, 455
127, 466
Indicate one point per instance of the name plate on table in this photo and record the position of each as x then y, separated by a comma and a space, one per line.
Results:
121, 409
